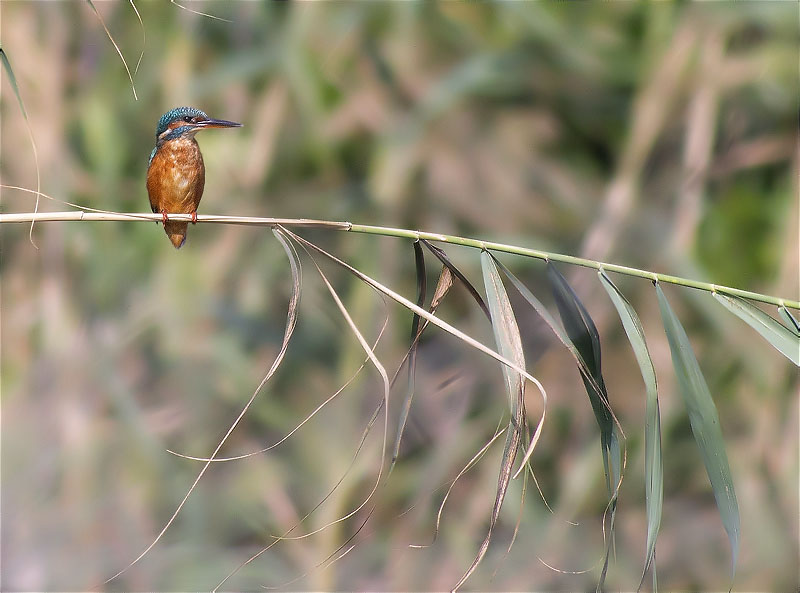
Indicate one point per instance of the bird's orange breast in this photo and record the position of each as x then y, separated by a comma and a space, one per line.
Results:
176, 177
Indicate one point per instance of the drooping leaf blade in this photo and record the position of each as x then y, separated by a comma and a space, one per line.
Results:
653, 463
584, 335
509, 344
13, 80
782, 338
506, 330
704, 421
419, 262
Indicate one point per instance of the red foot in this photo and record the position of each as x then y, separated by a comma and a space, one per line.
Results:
164, 215
194, 217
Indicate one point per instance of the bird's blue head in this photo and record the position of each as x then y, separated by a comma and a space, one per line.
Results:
186, 122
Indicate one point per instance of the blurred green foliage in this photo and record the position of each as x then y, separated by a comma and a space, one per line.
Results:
660, 135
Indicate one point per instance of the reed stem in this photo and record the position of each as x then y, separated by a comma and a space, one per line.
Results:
407, 234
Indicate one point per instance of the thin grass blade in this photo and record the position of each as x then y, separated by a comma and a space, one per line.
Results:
116, 47
291, 323
144, 37
653, 463
782, 338
197, 12
320, 502
368, 350
469, 465
704, 421
15, 87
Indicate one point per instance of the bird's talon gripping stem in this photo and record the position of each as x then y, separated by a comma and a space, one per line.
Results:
194, 217
164, 215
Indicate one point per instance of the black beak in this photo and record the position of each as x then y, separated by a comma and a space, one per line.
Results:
217, 123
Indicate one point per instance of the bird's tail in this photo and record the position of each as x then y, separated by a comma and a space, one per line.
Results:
176, 231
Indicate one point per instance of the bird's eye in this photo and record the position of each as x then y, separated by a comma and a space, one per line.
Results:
188, 119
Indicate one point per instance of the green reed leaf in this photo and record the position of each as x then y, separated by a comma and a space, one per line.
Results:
419, 261
583, 334
704, 420
782, 338
509, 345
13, 80
506, 331
653, 463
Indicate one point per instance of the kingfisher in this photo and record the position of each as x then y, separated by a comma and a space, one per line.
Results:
176, 173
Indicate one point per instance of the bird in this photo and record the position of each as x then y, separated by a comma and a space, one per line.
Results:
176, 174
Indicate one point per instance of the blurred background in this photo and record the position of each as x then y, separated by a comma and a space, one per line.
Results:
655, 135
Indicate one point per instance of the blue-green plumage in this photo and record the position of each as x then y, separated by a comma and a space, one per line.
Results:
175, 171
177, 114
